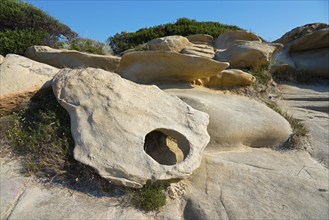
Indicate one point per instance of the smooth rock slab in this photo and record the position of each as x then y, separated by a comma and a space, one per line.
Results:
157, 66
20, 79
62, 58
111, 116
236, 121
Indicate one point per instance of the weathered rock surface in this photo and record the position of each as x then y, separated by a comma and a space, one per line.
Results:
170, 44
300, 32
236, 121
111, 116
228, 78
62, 58
310, 103
307, 54
1, 59
200, 50
246, 54
201, 39
157, 66
20, 79
257, 184
228, 39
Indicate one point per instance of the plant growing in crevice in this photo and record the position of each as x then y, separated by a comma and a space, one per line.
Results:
151, 197
298, 128
261, 73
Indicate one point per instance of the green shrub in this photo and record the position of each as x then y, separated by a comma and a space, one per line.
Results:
183, 26
151, 197
20, 21
88, 45
261, 73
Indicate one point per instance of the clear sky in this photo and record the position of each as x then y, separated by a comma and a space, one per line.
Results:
100, 19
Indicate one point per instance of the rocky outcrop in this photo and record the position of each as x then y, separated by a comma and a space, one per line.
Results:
200, 50
170, 44
300, 32
1, 59
201, 39
111, 117
307, 54
227, 39
157, 66
20, 79
246, 54
227, 78
71, 58
236, 121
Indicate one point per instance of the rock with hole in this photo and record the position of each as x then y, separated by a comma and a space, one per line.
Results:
130, 133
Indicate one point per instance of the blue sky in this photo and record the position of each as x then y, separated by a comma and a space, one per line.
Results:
101, 19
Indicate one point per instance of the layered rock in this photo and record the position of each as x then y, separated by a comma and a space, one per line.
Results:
246, 54
157, 66
228, 78
300, 32
62, 58
200, 50
201, 39
308, 54
227, 39
236, 121
20, 79
170, 44
111, 117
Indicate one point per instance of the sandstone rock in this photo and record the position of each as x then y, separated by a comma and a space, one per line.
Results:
170, 43
111, 117
20, 79
308, 55
228, 78
1, 59
227, 39
246, 54
156, 66
71, 58
201, 39
300, 32
200, 50
257, 184
236, 121
310, 104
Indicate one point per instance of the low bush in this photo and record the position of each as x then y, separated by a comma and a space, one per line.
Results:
183, 26
151, 197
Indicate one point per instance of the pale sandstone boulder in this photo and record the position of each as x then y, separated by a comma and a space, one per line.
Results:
308, 54
111, 117
1, 59
201, 39
200, 50
20, 79
300, 32
227, 39
158, 66
246, 54
62, 58
228, 78
170, 43
236, 121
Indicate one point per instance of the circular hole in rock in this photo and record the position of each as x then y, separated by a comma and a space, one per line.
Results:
167, 147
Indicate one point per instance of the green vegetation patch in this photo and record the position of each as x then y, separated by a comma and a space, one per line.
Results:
151, 197
183, 26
